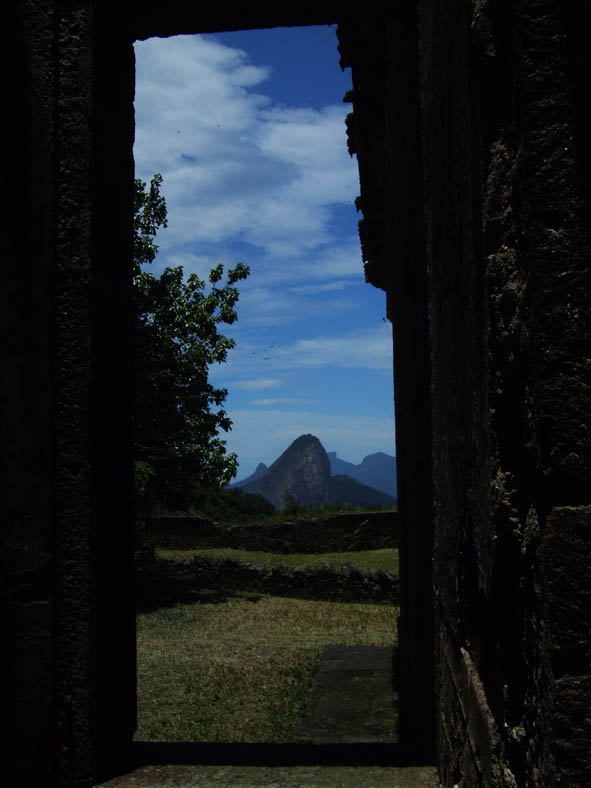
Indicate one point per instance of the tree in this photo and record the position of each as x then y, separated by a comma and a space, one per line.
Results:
178, 413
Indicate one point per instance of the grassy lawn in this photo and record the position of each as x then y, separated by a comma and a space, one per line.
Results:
366, 559
240, 670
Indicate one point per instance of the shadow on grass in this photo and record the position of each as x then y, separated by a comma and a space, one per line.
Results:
153, 593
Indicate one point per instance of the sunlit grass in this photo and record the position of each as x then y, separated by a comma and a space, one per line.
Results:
240, 670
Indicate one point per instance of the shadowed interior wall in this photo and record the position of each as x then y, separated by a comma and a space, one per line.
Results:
471, 131
67, 341
26, 370
498, 276
383, 132
507, 239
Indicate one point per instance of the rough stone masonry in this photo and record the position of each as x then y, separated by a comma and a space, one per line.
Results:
471, 128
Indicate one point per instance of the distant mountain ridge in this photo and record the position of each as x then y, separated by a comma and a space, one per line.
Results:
377, 470
259, 471
344, 489
306, 473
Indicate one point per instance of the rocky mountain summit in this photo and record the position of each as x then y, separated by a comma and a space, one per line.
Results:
302, 472
306, 473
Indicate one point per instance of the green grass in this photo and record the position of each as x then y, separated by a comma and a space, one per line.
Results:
371, 560
240, 670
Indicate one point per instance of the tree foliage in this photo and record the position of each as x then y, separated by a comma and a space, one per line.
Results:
178, 413
233, 505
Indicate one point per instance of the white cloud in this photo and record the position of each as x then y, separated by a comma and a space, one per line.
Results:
257, 384
236, 168
192, 96
266, 301
273, 306
327, 287
370, 349
272, 401
306, 139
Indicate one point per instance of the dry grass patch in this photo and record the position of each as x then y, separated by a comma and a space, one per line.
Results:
240, 670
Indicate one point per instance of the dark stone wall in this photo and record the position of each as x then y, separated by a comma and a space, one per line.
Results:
112, 524
26, 370
383, 132
508, 262
168, 581
66, 341
462, 544
356, 531
154, 18
471, 129
476, 223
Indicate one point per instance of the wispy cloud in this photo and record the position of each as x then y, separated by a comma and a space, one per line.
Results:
236, 167
370, 349
257, 384
271, 402
327, 287
269, 306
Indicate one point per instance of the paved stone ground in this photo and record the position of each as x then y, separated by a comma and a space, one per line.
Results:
349, 720
174, 776
352, 698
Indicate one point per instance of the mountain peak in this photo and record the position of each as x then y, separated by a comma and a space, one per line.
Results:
301, 472
307, 439
306, 472
259, 472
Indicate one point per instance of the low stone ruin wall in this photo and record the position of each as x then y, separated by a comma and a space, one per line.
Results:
356, 531
347, 584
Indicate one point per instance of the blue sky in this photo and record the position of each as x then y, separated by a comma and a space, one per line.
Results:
248, 132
